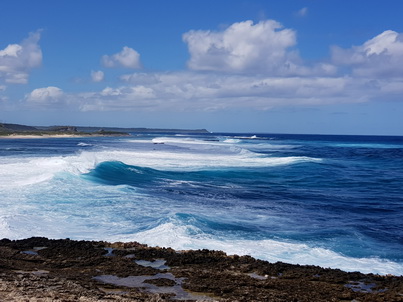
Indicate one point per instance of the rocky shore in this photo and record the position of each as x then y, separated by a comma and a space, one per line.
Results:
40, 269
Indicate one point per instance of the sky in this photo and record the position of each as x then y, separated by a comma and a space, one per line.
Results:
255, 66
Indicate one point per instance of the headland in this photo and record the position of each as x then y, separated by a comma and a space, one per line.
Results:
24, 131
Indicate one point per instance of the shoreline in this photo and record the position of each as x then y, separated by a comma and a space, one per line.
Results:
62, 135
73, 270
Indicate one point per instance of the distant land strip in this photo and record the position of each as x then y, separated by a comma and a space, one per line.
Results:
13, 130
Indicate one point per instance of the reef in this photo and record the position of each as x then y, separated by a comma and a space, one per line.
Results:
41, 269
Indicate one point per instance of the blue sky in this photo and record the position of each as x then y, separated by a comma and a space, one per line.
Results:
329, 67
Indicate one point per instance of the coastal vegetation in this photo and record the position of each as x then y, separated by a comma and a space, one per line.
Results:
15, 130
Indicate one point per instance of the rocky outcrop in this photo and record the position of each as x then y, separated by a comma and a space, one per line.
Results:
64, 129
39, 269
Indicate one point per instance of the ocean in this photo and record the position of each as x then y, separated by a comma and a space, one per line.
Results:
332, 201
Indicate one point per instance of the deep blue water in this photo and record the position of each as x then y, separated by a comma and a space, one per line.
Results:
334, 201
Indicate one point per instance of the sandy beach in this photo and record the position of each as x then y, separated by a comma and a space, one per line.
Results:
33, 136
39, 269
62, 135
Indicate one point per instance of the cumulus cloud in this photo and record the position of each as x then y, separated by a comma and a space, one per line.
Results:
97, 76
379, 56
11, 50
17, 60
128, 58
47, 96
246, 66
265, 47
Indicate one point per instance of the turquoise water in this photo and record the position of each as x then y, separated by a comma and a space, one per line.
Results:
334, 201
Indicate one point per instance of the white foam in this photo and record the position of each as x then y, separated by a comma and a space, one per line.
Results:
16, 172
232, 141
252, 137
84, 144
159, 159
224, 142
189, 237
23, 173
28, 171
180, 237
200, 154
17, 225
183, 141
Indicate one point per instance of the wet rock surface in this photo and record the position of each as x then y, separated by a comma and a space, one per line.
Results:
40, 269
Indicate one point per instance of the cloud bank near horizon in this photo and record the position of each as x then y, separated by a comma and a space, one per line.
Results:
246, 65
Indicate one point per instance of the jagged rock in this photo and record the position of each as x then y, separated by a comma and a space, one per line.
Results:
41, 269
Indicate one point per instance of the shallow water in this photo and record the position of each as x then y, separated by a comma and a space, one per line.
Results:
141, 282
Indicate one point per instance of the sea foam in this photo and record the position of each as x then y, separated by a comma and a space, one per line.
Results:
186, 237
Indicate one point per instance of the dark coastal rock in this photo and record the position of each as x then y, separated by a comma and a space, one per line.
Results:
68, 270
63, 129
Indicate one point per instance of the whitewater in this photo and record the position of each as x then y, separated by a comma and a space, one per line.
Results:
332, 201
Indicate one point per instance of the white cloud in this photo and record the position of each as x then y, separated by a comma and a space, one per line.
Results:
11, 50
97, 76
244, 47
246, 66
209, 91
302, 12
3, 87
45, 96
140, 78
128, 58
125, 98
17, 60
108, 91
193, 91
380, 56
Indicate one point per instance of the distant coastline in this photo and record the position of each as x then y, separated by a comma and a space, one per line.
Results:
56, 135
24, 131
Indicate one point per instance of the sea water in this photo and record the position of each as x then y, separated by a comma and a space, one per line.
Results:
333, 201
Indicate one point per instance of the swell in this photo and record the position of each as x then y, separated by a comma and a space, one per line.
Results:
119, 173
277, 202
